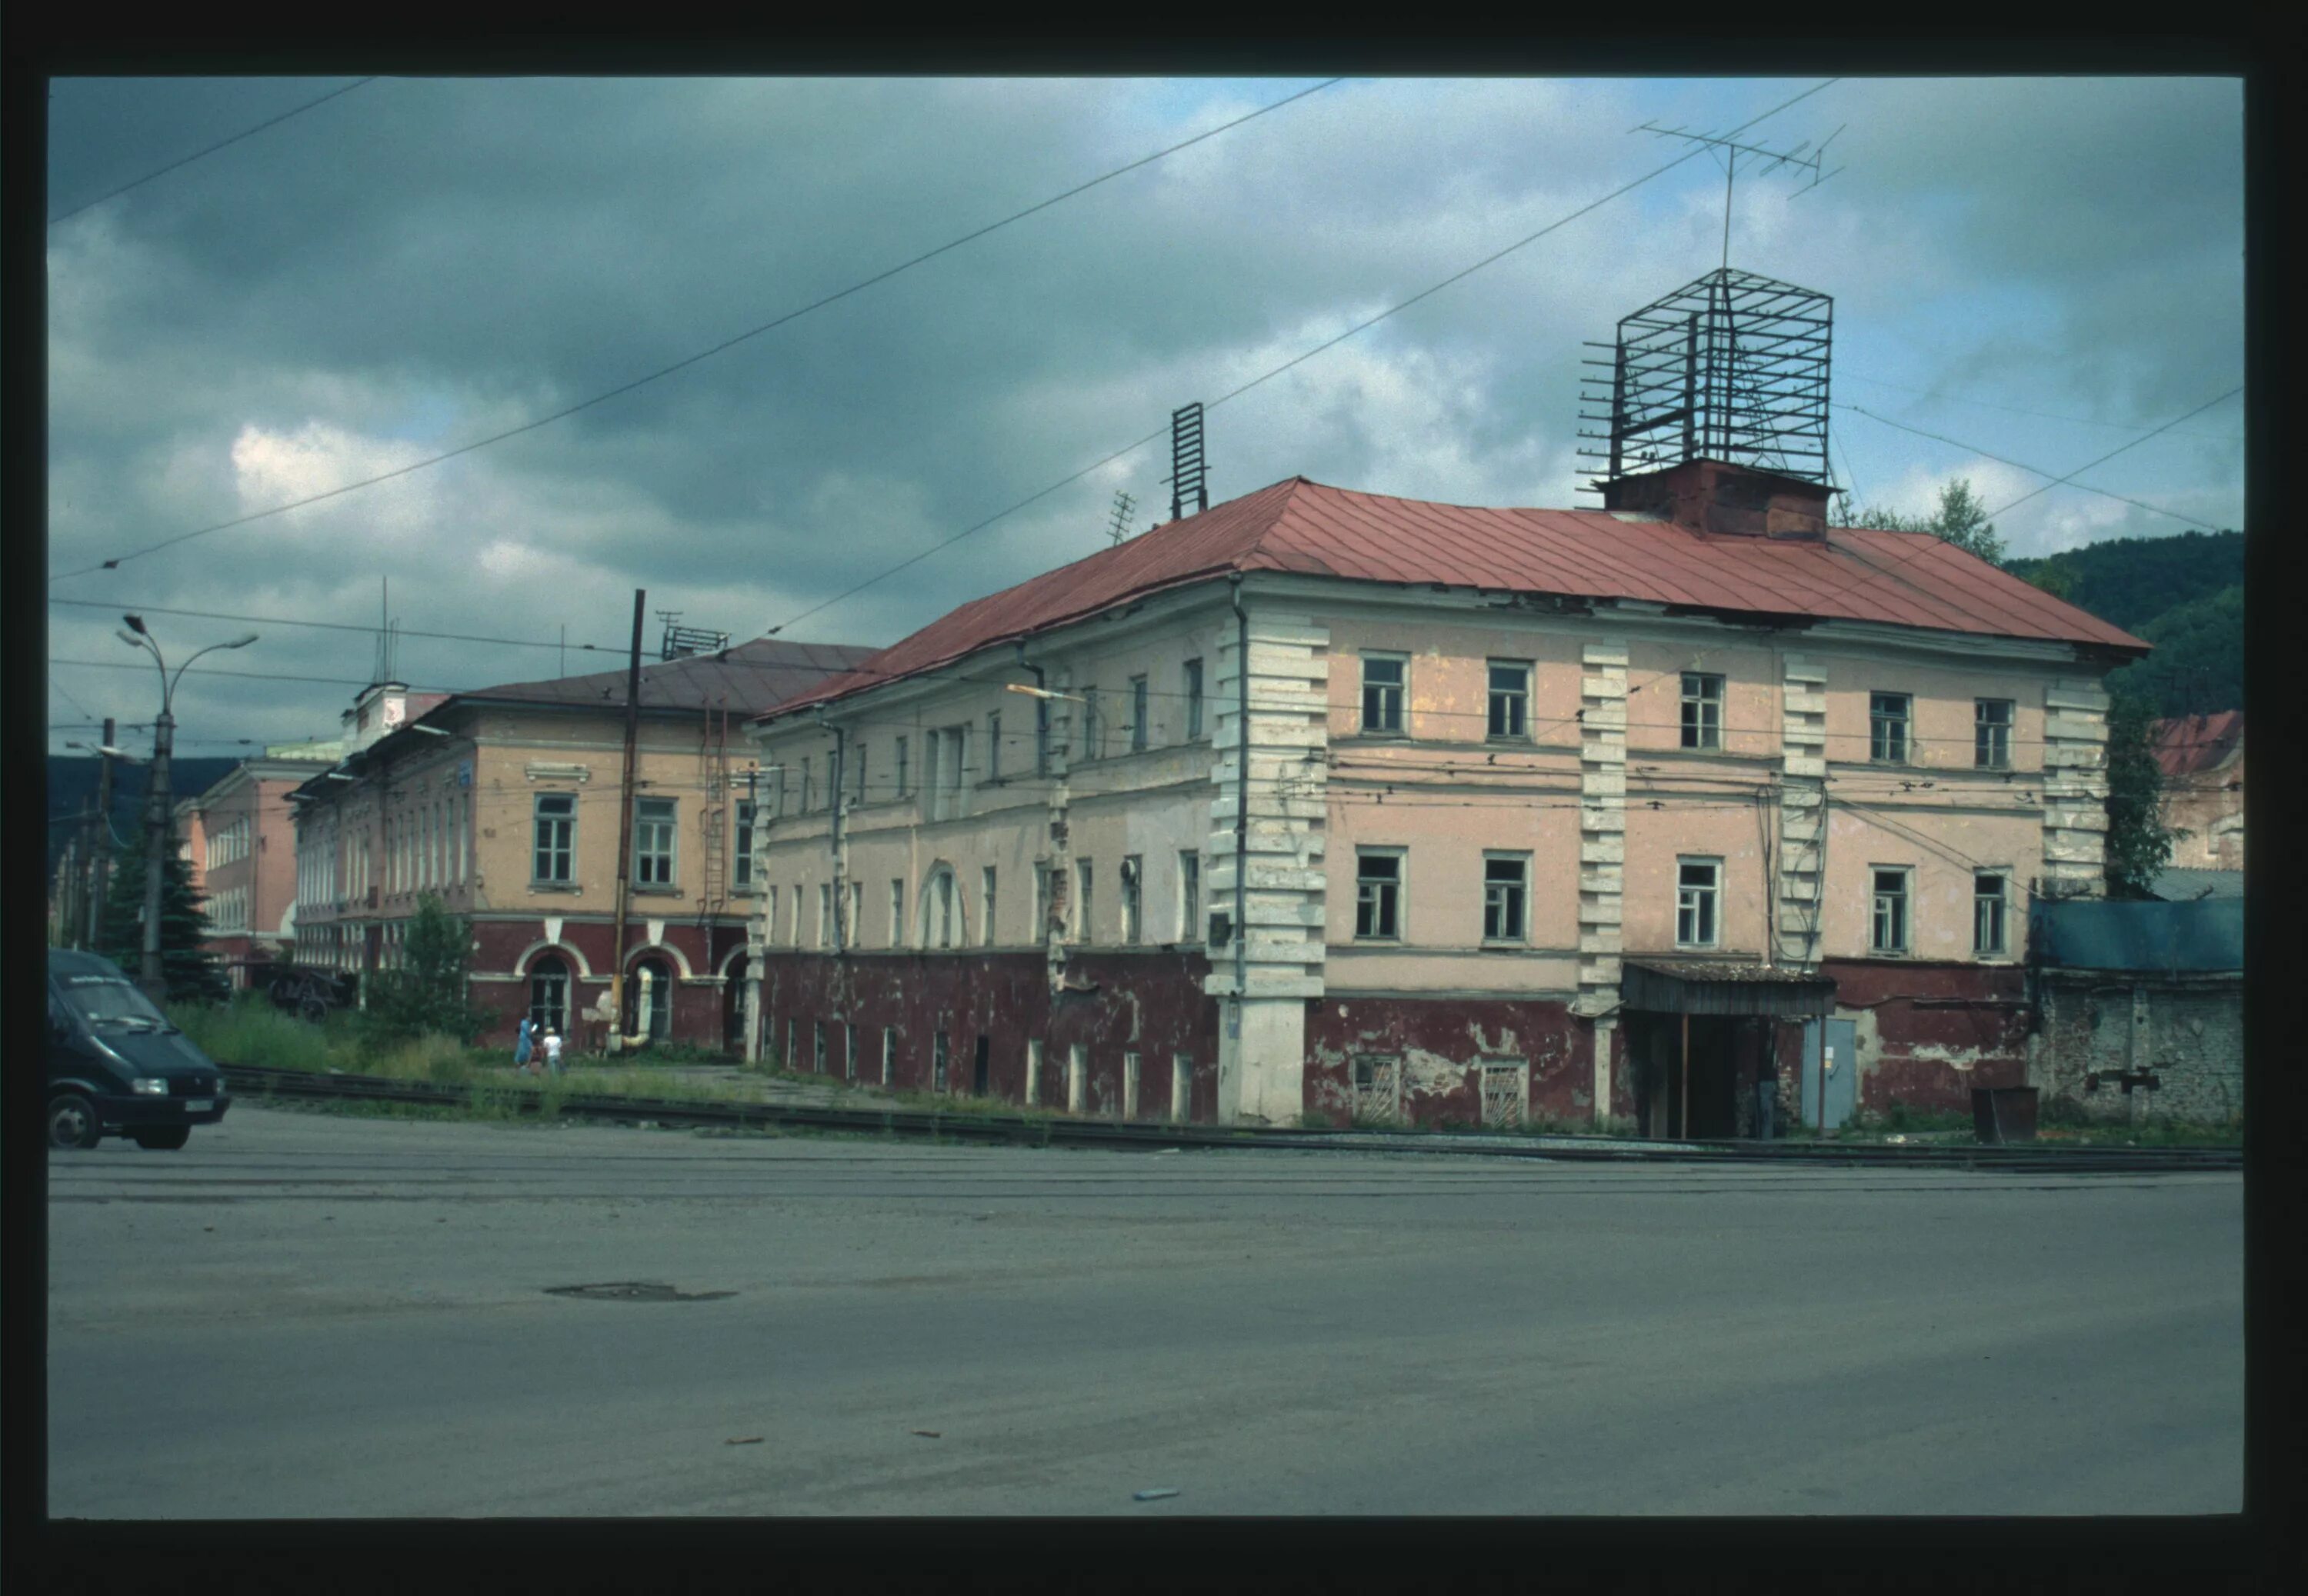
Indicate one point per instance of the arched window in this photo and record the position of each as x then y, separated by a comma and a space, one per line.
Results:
940, 913
548, 992
660, 984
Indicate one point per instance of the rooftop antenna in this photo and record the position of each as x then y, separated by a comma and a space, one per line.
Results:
1188, 473
1731, 150
1119, 527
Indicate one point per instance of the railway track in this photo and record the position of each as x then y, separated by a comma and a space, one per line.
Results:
1037, 1131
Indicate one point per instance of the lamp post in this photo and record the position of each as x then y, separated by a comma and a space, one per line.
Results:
156, 824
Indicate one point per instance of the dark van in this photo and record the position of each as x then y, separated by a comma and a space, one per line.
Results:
116, 1067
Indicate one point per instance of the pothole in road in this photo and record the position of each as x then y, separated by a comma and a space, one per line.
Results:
634, 1290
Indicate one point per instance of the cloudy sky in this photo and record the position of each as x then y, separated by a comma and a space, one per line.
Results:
2039, 269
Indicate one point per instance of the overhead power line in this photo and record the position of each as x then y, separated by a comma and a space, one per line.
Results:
1296, 360
2111, 454
1959, 398
2038, 471
211, 149
707, 354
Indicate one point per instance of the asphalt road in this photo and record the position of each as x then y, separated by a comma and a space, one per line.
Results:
308, 1315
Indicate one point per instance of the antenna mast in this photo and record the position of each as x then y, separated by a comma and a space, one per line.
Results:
1732, 150
1118, 526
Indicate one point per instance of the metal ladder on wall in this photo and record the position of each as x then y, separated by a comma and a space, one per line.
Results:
713, 816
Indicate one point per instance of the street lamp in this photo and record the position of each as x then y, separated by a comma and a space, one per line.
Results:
156, 816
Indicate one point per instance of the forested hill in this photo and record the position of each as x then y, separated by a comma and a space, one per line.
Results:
2184, 594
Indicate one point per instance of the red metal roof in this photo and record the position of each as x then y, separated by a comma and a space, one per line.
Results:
1899, 579
2197, 741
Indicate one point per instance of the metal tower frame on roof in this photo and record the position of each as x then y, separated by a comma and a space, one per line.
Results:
1733, 367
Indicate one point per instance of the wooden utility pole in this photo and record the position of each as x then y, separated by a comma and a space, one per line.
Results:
625, 829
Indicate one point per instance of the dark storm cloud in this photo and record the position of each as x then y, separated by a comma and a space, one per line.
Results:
419, 263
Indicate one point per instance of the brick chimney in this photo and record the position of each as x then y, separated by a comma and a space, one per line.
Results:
1723, 500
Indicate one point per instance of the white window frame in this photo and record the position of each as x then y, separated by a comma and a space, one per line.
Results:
1133, 899
669, 857
566, 852
1190, 896
988, 882
1882, 721
2001, 899
1085, 873
1140, 710
1192, 671
1400, 903
1992, 738
993, 746
1698, 904
1520, 937
1515, 696
897, 910
741, 853
902, 767
1701, 713
1400, 690
824, 911
1905, 899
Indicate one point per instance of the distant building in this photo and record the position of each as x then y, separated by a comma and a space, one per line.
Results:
241, 845
2202, 760
505, 801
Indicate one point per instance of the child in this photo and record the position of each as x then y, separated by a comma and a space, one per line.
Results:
553, 1049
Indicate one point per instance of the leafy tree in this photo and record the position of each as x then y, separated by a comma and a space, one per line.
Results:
191, 970
426, 992
2051, 575
1961, 520
2139, 843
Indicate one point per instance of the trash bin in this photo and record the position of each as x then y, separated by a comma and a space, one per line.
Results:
2001, 1114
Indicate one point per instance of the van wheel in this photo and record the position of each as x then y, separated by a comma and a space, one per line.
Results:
166, 1139
73, 1121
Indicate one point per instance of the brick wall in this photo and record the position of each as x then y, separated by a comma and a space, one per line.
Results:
2187, 1031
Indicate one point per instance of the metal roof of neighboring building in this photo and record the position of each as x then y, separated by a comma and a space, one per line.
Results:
1895, 578
746, 679
2189, 886
2201, 937
2197, 742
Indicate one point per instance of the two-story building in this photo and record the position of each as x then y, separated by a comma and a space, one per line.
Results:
2201, 758
503, 803
1684, 810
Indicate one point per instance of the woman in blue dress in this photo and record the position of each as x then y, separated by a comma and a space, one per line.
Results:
521, 1044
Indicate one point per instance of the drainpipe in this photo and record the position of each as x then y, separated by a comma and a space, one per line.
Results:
1241, 793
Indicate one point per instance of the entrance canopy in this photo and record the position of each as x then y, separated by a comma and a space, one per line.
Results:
1675, 987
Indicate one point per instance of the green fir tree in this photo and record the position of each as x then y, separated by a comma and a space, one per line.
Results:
191, 970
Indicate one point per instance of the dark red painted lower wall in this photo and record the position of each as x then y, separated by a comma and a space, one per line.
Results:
1442, 1043
699, 1014
1148, 1003
1940, 1030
